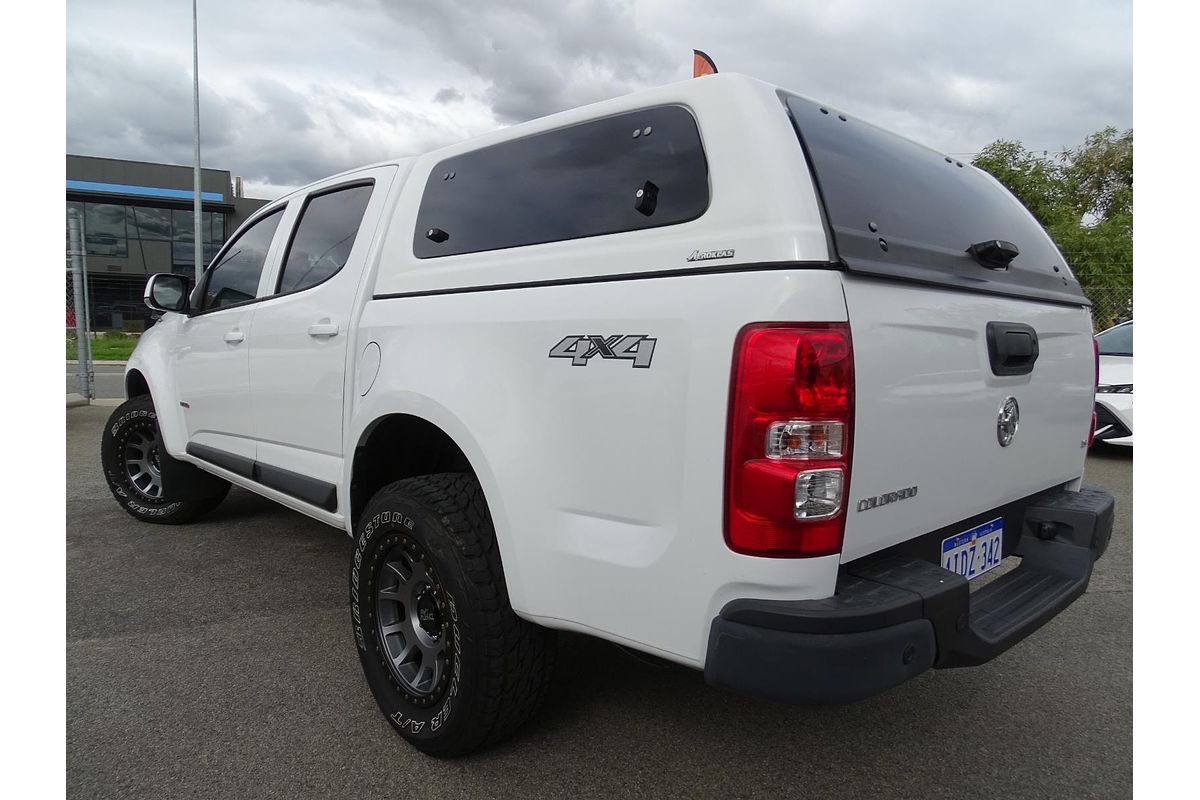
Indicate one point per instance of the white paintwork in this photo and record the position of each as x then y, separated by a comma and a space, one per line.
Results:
211, 368
1116, 370
298, 361
606, 483
927, 407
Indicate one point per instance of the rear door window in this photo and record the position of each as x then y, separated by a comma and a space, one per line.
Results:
582, 180
324, 237
901, 210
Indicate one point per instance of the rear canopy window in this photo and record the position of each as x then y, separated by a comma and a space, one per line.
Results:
567, 184
901, 210
1116, 341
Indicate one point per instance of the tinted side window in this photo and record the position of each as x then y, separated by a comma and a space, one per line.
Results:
324, 237
235, 277
1117, 342
567, 184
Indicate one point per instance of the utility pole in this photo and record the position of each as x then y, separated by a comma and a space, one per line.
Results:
198, 245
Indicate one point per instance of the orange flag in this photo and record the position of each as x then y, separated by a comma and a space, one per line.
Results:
702, 64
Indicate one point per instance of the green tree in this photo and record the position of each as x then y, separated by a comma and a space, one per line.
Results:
1083, 197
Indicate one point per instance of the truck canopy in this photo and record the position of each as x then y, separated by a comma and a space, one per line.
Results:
897, 209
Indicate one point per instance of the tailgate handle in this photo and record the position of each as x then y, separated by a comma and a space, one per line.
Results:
1012, 348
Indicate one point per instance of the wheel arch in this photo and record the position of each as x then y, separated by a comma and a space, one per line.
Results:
136, 384
397, 446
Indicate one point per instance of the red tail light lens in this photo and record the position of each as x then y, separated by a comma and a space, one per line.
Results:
788, 456
1095, 386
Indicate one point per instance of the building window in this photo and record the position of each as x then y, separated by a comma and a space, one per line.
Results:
110, 230
105, 230
183, 246
150, 224
627, 172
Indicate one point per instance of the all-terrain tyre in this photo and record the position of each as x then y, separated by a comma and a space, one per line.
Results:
148, 483
451, 666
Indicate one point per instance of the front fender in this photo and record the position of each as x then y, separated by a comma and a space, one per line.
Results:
152, 359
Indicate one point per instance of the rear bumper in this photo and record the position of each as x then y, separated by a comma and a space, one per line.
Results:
894, 617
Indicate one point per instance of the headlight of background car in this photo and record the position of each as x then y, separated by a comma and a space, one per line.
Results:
1115, 388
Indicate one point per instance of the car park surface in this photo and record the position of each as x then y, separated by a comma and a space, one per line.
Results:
215, 660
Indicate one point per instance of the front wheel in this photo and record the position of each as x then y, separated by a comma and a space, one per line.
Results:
149, 484
451, 666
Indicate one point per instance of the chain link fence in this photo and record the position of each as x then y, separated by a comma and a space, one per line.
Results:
1110, 305
80, 372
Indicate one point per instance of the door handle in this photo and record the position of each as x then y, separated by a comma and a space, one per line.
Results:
234, 336
323, 329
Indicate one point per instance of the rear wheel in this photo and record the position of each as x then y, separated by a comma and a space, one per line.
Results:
451, 666
148, 483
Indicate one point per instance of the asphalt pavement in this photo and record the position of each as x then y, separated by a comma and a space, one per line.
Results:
109, 380
216, 660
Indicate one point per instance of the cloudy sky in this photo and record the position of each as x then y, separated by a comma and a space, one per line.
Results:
292, 90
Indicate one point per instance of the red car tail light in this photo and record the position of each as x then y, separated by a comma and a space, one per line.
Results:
1095, 387
791, 416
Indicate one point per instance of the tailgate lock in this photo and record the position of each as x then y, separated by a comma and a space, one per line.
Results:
1007, 421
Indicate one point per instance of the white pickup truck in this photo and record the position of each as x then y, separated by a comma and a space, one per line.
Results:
711, 371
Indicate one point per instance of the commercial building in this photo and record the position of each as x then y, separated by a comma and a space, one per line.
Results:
138, 220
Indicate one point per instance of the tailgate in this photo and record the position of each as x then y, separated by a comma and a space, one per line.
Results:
927, 451
935, 251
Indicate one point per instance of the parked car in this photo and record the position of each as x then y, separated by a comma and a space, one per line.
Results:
625, 371
1114, 393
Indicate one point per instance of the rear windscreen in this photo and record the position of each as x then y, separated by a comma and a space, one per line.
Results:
1116, 341
901, 210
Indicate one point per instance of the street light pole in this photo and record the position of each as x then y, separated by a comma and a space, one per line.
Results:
198, 242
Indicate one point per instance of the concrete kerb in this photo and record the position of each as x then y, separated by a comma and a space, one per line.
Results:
76, 400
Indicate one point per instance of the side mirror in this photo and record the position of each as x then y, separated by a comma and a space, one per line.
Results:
167, 292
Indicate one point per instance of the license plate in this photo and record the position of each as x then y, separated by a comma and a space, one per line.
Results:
974, 552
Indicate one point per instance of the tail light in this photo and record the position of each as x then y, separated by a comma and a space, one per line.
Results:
791, 414
1095, 387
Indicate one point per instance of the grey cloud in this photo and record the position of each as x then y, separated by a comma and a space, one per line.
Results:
286, 106
448, 95
951, 76
140, 107
290, 94
120, 101
536, 57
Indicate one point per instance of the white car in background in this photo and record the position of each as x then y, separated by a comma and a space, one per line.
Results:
1114, 394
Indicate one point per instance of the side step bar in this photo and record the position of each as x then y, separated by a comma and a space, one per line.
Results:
310, 490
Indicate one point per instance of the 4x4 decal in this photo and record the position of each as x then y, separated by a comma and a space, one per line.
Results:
637, 348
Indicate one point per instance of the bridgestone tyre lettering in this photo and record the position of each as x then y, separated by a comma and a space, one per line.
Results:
136, 421
497, 665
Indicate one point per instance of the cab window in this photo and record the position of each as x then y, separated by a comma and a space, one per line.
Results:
234, 279
324, 237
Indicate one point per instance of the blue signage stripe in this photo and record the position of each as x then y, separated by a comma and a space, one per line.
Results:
142, 191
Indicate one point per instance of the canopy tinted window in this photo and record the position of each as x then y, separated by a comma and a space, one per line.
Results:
902, 210
579, 181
